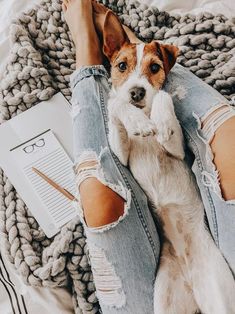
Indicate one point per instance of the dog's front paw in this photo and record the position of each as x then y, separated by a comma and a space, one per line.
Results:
164, 133
142, 128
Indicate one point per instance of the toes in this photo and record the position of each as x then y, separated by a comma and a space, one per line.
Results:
65, 4
145, 132
148, 133
64, 7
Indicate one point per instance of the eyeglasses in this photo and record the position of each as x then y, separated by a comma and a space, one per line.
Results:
30, 148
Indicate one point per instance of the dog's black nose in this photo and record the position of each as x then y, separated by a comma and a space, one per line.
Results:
137, 93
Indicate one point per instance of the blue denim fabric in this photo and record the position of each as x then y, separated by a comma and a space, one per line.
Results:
200, 99
129, 250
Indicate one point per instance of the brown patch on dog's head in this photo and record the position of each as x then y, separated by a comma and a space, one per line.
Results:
152, 66
123, 63
164, 56
168, 54
114, 36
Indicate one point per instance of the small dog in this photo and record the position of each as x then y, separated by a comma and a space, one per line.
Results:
145, 134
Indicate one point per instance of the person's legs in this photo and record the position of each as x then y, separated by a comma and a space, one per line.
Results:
209, 127
82, 32
121, 234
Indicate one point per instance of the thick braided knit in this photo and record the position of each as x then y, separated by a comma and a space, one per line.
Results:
40, 63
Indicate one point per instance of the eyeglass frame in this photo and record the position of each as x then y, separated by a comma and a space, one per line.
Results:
34, 144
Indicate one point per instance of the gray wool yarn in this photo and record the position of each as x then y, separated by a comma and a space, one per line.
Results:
40, 63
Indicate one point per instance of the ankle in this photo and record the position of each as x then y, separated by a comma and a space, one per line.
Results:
87, 57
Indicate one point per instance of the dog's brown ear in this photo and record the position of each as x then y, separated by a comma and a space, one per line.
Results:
114, 35
168, 54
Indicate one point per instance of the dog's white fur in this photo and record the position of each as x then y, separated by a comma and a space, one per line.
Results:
192, 274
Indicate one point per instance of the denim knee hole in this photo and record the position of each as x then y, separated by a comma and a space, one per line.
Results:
207, 126
88, 166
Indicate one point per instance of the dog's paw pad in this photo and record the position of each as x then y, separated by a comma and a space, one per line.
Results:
145, 129
150, 132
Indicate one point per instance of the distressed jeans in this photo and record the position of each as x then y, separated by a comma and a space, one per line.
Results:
124, 254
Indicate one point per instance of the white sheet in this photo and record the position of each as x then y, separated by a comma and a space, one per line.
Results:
226, 7
11, 8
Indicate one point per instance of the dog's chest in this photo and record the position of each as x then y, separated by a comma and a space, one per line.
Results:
147, 153
156, 172
146, 159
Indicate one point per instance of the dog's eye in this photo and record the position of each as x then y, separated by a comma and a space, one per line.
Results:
154, 67
122, 66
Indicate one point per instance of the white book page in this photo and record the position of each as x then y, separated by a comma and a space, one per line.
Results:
45, 153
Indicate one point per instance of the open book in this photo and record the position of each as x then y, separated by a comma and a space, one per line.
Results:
36, 139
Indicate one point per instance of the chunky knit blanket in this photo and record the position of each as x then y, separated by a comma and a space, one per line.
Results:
40, 63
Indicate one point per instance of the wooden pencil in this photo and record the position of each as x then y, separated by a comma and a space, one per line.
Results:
63, 191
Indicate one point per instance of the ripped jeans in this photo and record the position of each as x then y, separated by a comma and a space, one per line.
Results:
124, 254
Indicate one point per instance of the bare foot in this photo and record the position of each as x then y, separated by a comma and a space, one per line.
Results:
99, 18
79, 17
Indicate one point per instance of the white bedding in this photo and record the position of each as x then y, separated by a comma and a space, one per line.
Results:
10, 9
226, 7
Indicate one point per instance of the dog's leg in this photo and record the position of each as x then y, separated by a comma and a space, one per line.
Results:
137, 122
213, 282
134, 119
172, 294
118, 139
169, 133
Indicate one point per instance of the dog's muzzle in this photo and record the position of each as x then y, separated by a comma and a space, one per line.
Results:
137, 94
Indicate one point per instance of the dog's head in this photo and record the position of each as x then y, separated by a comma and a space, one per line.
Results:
138, 71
